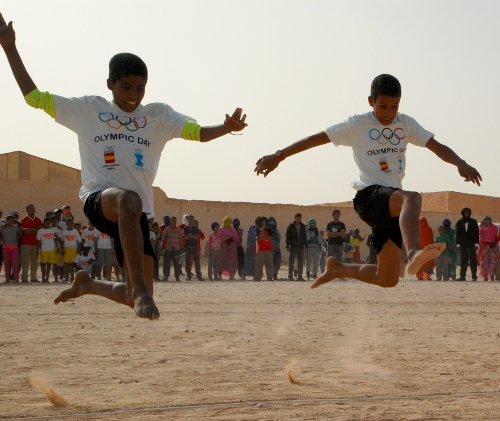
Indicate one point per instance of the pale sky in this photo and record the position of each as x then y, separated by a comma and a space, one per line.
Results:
295, 67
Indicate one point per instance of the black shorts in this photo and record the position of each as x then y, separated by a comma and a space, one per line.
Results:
93, 211
372, 206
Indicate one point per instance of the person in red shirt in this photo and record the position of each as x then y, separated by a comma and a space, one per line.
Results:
264, 251
30, 225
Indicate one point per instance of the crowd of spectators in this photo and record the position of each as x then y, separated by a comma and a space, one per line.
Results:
60, 246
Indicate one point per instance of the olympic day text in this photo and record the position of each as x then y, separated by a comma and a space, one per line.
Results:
121, 136
385, 150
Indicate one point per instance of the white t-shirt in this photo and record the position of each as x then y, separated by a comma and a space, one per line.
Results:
84, 261
71, 238
103, 240
119, 149
88, 238
62, 225
379, 151
46, 236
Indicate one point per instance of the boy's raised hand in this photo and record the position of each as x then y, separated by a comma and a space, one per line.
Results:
469, 173
266, 164
7, 34
235, 123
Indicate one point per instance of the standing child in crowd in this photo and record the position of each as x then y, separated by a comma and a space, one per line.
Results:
379, 139
488, 248
191, 235
249, 268
426, 238
88, 240
72, 243
58, 267
240, 251
443, 259
156, 237
356, 240
10, 236
78, 227
452, 249
263, 251
47, 238
172, 247
228, 249
324, 248
372, 257
272, 227
30, 225
102, 243
313, 251
118, 170
214, 252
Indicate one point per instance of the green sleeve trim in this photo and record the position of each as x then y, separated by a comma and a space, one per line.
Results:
191, 131
43, 101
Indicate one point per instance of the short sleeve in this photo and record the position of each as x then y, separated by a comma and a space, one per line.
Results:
39, 235
340, 134
174, 122
69, 111
417, 135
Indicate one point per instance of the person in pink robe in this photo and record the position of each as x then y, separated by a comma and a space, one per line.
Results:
228, 249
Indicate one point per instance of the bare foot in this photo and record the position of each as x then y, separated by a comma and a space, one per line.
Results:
80, 286
145, 307
429, 252
332, 271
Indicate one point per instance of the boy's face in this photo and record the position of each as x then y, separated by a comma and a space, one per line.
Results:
173, 222
128, 92
46, 224
10, 221
86, 251
69, 225
385, 108
441, 230
54, 220
216, 228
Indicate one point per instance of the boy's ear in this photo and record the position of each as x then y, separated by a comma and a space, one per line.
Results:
370, 100
110, 84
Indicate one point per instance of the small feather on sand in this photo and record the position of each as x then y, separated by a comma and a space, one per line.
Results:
289, 375
43, 385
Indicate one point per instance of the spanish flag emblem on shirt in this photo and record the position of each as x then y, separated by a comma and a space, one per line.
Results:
109, 157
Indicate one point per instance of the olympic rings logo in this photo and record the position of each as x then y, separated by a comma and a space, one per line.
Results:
132, 125
387, 134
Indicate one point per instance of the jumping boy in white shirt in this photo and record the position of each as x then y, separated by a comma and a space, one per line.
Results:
379, 140
120, 146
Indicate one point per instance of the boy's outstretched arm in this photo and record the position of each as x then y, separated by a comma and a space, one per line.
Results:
268, 163
448, 155
235, 123
8, 43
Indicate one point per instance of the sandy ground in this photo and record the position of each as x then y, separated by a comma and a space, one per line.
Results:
233, 342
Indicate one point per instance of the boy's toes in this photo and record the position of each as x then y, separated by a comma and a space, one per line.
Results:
146, 308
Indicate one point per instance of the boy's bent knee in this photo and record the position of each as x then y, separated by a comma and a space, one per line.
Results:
412, 197
130, 202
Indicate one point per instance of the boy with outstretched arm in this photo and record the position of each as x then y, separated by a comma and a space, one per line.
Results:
120, 146
379, 139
